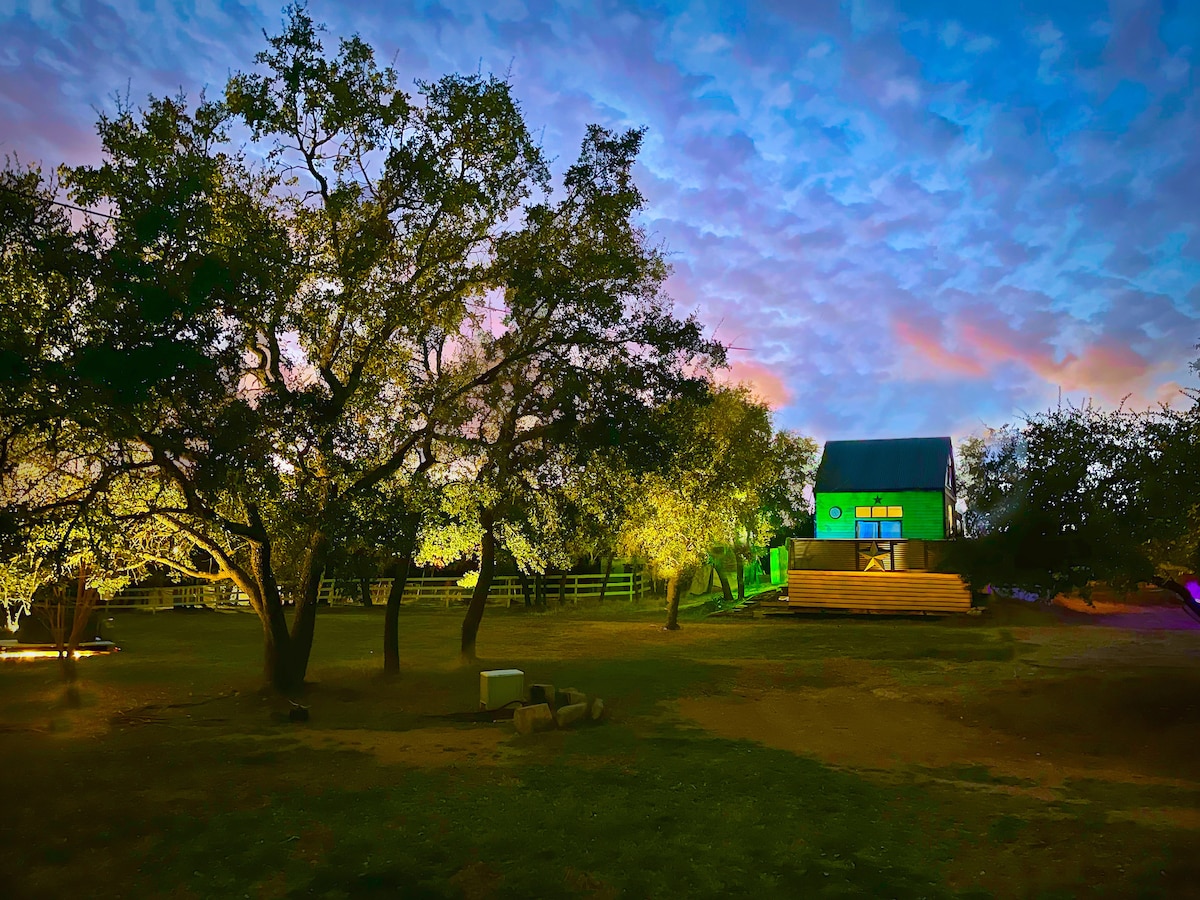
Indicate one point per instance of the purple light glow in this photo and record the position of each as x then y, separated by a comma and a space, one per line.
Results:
1193, 589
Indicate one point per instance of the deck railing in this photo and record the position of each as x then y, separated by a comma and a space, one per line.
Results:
878, 554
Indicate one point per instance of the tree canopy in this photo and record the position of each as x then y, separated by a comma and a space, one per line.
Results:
267, 345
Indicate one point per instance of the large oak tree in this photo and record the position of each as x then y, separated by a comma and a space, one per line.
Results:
277, 339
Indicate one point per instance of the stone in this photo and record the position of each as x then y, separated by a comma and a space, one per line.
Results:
573, 695
597, 709
541, 693
529, 719
571, 713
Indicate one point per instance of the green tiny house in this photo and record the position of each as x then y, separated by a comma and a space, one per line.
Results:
887, 489
883, 511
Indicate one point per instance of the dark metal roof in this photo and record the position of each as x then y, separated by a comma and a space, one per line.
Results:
903, 464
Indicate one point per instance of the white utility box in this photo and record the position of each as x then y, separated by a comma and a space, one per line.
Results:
500, 687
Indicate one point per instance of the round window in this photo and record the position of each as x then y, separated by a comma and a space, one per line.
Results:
835, 512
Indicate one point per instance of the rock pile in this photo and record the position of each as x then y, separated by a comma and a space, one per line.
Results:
548, 709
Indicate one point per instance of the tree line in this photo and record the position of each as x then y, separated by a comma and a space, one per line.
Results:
1081, 494
323, 323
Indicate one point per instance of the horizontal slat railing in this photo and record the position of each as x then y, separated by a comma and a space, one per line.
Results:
172, 595
506, 589
878, 591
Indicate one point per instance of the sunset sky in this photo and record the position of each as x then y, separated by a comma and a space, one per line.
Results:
920, 217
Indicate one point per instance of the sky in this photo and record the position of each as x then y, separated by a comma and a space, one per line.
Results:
918, 218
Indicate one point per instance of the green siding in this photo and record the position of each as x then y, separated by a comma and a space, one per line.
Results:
924, 512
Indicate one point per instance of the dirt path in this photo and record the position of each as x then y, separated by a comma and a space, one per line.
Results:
876, 729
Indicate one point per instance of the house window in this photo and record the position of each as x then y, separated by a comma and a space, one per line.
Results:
879, 512
869, 530
835, 512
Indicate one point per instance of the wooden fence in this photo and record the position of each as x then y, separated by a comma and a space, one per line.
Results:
444, 592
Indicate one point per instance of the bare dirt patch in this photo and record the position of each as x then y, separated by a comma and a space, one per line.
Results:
1160, 817
436, 747
885, 729
841, 725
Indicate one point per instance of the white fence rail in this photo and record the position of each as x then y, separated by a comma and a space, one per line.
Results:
445, 592
172, 595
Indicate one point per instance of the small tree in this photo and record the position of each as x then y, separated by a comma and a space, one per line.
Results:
786, 503
705, 496
673, 526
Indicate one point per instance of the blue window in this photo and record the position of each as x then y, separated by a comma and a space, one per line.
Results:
869, 530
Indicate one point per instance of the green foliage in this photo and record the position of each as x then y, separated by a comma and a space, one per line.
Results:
590, 345
1083, 494
278, 358
710, 493
785, 504
270, 350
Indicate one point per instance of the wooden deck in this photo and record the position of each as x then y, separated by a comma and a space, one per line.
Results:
893, 593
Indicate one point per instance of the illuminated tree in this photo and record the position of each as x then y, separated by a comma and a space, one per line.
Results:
271, 351
271, 347
72, 553
672, 527
707, 495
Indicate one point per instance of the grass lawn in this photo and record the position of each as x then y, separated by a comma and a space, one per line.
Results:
1014, 755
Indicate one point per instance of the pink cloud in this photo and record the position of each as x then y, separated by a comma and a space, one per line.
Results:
933, 352
1105, 367
764, 382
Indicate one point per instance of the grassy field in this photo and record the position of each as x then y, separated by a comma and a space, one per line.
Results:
1013, 755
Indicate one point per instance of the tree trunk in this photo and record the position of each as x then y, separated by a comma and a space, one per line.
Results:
726, 593
278, 670
676, 585
741, 579
304, 622
364, 591
391, 617
487, 566
608, 561
539, 589
712, 571
277, 658
562, 588
525, 588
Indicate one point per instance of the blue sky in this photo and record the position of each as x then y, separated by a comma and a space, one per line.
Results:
920, 217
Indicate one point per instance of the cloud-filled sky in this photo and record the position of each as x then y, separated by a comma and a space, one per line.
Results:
918, 217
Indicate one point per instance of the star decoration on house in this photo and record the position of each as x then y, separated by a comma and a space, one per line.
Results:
878, 501
876, 557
